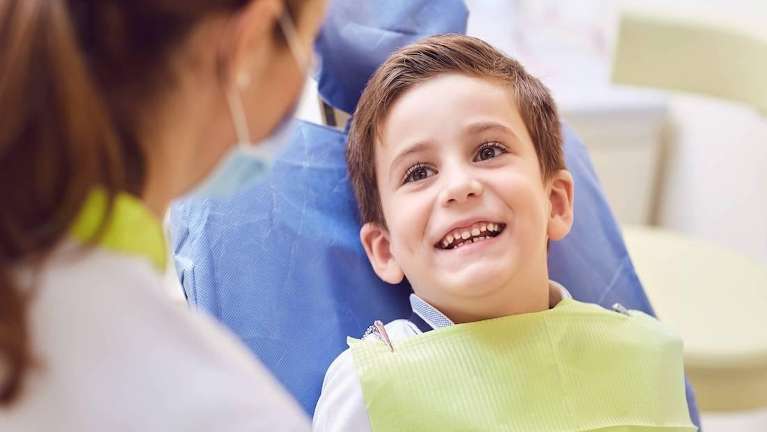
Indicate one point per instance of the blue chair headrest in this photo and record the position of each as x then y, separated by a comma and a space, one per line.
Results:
359, 35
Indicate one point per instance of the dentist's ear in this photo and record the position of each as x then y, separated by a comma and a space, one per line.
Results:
375, 240
560, 205
252, 39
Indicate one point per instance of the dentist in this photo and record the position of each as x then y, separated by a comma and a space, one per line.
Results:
108, 111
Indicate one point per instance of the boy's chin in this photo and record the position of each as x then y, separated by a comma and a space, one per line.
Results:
473, 282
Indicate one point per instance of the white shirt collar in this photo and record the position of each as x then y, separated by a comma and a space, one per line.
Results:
436, 319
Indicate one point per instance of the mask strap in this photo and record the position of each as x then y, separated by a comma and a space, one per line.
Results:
294, 42
238, 117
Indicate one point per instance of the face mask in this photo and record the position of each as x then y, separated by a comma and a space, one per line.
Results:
249, 161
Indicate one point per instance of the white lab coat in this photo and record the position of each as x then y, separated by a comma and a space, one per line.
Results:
116, 354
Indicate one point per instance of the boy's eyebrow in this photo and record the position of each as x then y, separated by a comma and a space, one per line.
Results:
483, 126
416, 148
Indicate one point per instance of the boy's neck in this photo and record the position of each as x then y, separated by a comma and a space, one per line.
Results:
512, 300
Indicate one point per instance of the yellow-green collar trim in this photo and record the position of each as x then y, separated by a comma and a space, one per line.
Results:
132, 229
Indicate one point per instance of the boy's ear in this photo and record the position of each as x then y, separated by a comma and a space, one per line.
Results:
375, 240
560, 205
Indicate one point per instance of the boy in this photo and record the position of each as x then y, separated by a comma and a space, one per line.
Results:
456, 160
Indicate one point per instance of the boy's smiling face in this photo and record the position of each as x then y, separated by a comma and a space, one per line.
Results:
468, 213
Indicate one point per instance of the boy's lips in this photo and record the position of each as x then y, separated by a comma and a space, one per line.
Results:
466, 234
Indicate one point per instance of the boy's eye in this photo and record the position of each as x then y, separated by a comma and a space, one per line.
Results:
489, 151
417, 173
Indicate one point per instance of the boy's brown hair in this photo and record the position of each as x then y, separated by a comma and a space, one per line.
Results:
422, 61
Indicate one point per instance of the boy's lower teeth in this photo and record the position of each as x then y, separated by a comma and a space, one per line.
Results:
470, 241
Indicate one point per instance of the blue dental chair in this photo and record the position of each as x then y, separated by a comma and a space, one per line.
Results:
280, 263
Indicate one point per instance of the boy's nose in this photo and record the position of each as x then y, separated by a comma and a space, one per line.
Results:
461, 189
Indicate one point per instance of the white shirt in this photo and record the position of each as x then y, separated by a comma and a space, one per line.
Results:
341, 406
116, 354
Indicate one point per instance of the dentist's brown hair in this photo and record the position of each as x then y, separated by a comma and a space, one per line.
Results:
422, 61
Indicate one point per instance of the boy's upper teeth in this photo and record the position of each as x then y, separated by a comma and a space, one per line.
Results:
464, 234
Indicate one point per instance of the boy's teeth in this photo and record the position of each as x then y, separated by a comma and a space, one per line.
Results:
471, 235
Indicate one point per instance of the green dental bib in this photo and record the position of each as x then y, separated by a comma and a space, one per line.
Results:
576, 367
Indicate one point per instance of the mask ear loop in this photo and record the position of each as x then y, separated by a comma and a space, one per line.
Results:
238, 116
291, 35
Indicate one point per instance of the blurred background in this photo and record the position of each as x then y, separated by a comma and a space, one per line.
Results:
684, 172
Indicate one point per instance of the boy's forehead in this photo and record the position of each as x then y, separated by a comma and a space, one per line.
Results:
445, 107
